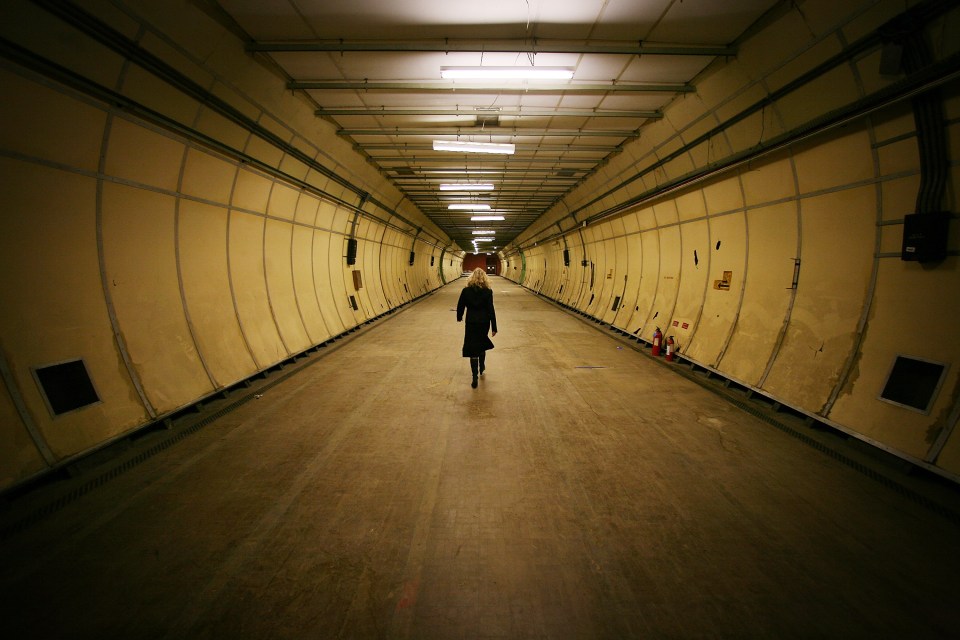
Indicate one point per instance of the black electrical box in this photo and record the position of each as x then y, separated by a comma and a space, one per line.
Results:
351, 251
925, 236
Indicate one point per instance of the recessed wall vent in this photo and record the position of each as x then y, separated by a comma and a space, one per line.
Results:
66, 386
913, 383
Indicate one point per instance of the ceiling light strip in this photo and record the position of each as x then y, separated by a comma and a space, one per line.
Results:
476, 186
474, 147
506, 73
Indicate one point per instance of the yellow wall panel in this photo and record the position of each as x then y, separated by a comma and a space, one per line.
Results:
251, 191
321, 278
208, 177
278, 237
768, 182
220, 128
723, 196
202, 237
694, 271
325, 215
620, 284
891, 238
908, 306
727, 253
634, 273
691, 205
283, 201
646, 218
307, 207
668, 279
146, 88
370, 251
666, 212
604, 279
43, 123
901, 156
801, 63
647, 288
830, 90
341, 223
293, 167
173, 56
893, 122
771, 248
899, 197
262, 150
250, 288
140, 264
53, 303
836, 263
304, 286
141, 155
835, 163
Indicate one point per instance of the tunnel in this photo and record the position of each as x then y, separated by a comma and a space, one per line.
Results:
724, 393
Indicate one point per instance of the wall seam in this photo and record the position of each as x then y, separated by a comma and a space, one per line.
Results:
102, 259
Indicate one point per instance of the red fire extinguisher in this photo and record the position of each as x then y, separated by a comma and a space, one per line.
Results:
670, 349
657, 337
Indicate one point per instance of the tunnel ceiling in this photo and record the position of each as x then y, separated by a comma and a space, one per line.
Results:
373, 68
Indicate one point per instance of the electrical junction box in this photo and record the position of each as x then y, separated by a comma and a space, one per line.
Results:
925, 236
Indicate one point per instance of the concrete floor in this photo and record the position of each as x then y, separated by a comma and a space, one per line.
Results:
582, 491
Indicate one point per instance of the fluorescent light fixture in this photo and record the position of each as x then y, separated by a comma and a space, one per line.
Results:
474, 147
476, 240
469, 207
469, 172
485, 218
476, 186
506, 73
484, 233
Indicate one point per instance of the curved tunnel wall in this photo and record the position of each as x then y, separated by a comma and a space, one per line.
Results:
174, 246
783, 271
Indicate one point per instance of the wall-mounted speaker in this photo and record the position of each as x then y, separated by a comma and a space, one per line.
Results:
925, 236
351, 251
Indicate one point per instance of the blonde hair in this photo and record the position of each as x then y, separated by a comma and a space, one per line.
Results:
478, 279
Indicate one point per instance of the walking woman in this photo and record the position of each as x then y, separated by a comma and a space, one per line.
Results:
477, 299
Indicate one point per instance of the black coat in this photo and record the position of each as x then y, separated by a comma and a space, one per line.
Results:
481, 317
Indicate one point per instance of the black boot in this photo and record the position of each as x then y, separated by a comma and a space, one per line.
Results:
483, 363
474, 364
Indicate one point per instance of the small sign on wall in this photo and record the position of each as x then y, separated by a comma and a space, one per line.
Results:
723, 285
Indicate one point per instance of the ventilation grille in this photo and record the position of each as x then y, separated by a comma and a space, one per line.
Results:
66, 386
913, 383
